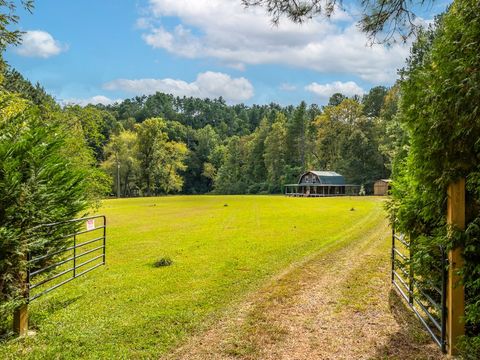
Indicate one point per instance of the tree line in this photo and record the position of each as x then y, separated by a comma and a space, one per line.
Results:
161, 144
237, 149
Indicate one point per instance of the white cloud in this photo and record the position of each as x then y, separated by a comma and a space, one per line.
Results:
207, 85
94, 100
38, 43
143, 23
348, 88
224, 30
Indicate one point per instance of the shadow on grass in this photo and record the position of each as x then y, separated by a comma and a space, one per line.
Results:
50, 307
36, 317
411, 341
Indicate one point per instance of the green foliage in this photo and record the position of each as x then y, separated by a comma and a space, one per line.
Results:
336, 99
296, 140
122, 163
340, 139
202, 144
392, 137
40, 182
470, 348
348, 142
8, 17
97, 125
14, 82
440, 113
275, 155
255, 164
206, 127
160, 160
231, 177
150, 138
373, 101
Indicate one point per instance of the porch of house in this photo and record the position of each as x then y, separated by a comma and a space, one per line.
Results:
321, 190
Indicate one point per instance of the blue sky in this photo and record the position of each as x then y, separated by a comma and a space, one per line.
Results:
106, 50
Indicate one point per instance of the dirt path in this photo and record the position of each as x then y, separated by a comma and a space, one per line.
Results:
337, 306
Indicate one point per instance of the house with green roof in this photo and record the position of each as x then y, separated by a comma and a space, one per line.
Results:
315, 183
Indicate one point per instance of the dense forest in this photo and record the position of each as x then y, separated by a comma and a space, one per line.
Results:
161, 144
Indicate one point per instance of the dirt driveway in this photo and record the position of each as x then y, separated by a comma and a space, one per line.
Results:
336, 306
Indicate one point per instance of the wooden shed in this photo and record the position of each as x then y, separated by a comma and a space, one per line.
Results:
320, 183
381, 187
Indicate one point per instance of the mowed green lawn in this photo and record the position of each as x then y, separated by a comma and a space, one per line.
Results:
221, 255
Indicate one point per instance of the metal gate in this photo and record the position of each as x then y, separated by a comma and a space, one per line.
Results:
425, 297
80, 248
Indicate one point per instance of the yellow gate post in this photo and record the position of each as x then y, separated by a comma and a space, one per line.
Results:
455, 290
20, 320
20, 315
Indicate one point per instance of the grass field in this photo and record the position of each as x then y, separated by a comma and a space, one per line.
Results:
223, 249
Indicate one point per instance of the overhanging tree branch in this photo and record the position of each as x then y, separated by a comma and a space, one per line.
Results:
384, 21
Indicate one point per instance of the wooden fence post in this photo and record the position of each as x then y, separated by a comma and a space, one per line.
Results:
455, 290
20, 320
20, 314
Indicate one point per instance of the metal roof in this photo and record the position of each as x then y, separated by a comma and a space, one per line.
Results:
326, 177
323, 173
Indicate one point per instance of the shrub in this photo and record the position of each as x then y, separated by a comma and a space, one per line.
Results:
44, 177
440, 112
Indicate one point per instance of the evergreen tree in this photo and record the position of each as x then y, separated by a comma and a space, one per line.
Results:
45, 176
275, 153
231, 175
296, 137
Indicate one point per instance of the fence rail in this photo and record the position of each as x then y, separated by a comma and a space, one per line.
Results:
83, 251
427, 300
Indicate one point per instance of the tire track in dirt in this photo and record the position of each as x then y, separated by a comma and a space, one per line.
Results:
334, 306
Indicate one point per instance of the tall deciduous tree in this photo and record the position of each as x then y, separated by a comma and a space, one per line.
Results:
170, 160
150, 139
122, 163
348, 142
97, 126
160, 159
